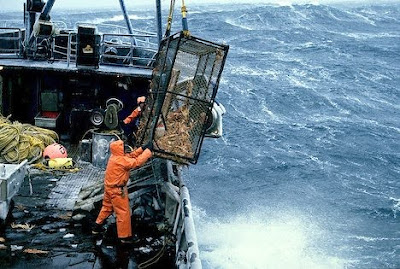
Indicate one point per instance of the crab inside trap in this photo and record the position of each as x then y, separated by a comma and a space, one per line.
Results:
183, 88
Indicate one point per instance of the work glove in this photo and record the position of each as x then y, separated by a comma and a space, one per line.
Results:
148, 146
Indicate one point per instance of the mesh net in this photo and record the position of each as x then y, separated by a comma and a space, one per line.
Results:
183, 88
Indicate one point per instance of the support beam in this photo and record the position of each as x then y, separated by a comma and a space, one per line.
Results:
158, 18
46, 10
127, 20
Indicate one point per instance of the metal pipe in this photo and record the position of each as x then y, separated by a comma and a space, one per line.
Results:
158, 17
170, 190
20, 47
127, 20
69, 49
102, 49
29, 25
133, 43
26, 16
46, 10
192, 253
177, 218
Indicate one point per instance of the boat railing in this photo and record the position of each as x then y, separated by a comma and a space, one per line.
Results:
64, 47
11, 23
60, 24
138, 49
131, 49
187, 250
11, 42
113, 28
186, 244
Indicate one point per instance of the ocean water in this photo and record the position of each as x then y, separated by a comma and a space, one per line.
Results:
307, 174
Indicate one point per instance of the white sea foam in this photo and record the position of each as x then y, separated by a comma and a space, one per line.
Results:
373, 239
287, 58
237, 24
272, 116
266, 110
260, 241
298, 82
338, 107
247, 71
361, 17
396, 206
249, 118
374, 76
192, 12
272, 74
117, 18
365, 36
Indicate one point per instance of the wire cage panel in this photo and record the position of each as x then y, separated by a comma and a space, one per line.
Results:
183, 88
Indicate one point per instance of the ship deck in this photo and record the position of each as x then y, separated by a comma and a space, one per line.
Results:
62, 66
43, 219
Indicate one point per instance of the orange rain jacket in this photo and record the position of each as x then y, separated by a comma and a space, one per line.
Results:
135, 113
115, 193
119, 164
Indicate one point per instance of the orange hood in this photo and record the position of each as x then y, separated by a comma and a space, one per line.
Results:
117, 148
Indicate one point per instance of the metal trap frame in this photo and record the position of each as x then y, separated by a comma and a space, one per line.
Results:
183, 88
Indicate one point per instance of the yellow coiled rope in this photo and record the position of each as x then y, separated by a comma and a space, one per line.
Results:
23, 141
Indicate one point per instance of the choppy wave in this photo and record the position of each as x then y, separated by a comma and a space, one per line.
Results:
312, 112
116, 18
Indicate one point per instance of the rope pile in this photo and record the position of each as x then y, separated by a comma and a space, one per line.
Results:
20, 141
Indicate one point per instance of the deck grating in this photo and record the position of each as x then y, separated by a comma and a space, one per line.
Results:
65, 193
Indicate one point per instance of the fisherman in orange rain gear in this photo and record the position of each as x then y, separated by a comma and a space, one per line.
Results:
134, 117
115, 190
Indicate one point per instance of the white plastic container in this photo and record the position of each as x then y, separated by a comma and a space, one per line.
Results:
11, 178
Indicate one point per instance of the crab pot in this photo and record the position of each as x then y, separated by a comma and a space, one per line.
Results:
183, 88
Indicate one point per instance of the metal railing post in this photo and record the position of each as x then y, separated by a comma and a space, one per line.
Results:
53, 47
133, 43
69, 49
20, 47
158, 19
102, 49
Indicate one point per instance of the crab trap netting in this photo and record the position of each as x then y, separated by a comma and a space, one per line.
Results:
183, 88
